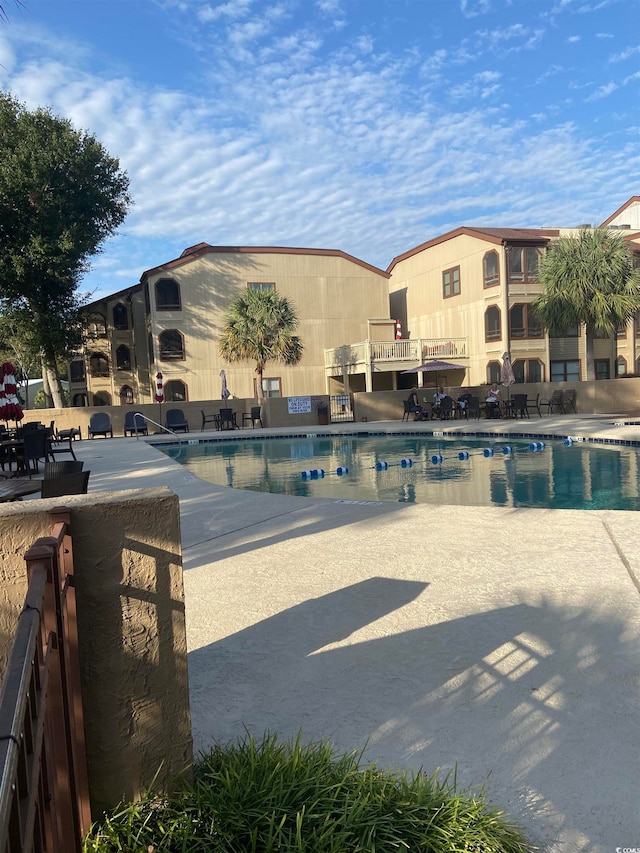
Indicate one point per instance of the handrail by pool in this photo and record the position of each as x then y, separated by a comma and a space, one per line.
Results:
155, 423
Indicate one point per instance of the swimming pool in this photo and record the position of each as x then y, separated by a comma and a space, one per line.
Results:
466, 471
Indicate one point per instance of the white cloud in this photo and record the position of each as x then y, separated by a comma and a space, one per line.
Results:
625, 54
573, 39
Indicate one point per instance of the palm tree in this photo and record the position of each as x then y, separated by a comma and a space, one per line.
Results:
588, 279
260, 326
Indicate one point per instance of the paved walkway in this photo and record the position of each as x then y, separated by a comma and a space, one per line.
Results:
499, 642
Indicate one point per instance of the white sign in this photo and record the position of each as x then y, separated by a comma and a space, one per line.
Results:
299, 405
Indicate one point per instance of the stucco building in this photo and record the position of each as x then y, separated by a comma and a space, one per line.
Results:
464, 297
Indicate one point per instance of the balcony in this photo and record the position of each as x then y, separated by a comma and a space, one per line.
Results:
395, 355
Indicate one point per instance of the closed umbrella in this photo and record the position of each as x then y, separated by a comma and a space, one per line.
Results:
224, 391
506, 373
10, 408
159, 396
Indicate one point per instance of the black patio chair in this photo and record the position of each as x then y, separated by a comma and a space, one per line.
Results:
100, 424
35, 446
445, 409
228, 419
66, 484
135, 424
569, 401
64, 466
518, 406
554, 402
253, 416
209, 419
176, 421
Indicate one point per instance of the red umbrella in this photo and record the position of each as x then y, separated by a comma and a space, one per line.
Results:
159, 393
10, 408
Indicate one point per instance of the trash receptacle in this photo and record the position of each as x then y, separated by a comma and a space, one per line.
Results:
323, 414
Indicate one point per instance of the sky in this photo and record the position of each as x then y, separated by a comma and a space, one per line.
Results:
368, 126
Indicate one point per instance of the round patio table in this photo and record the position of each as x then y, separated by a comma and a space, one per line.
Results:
17, 488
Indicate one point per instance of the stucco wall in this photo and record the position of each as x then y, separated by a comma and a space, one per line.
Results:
131, 625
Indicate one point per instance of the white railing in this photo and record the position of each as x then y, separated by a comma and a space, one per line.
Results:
411, 351
166, 429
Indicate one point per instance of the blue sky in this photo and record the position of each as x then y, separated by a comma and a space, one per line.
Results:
363, 125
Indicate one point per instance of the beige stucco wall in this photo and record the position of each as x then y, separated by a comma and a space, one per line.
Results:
131, 625
333, 296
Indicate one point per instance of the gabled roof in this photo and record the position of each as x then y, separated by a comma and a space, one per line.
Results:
201, 249
633, 200
498, 236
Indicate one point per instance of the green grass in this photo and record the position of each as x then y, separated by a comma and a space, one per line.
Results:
288, 797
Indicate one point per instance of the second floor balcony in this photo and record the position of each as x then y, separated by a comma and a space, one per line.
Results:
393, 355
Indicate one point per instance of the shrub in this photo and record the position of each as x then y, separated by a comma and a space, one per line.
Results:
266, 796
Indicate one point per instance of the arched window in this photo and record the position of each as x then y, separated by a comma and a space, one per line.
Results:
79, 401
96, 326
621, 365
102, 398
492, 325
493, 372
98, 364
491, 269
120, 316
167, 295
126, 395
175, 391
528, 370
123, 358
76, 371
522, 322
171, 345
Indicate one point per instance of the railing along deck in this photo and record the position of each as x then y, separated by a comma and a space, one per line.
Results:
44, 792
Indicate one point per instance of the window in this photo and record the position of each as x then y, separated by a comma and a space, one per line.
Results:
565, 371
96, 326
451, 282
271, 387
261, 285
522, 323
102, 398
126, 395
602, 368
491, 269
171, 345
621, 331
98, 364
123, 358
76, 371
571, 332
79, 400
175, 391
150, 348
621, 365
492, 330
528, 370
167, 295
522, 263
120, 317
494, 370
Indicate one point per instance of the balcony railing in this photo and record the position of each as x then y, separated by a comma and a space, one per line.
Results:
410, 352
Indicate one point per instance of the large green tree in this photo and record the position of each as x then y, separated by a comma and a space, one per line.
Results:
61, 197
260, 327
588, 279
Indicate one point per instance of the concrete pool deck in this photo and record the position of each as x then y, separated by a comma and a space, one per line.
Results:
503, 643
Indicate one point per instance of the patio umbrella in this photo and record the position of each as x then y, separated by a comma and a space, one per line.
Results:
224, 392
436, 366
506, 373
10, 408
159, 396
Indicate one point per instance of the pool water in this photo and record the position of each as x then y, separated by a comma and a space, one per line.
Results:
551, 475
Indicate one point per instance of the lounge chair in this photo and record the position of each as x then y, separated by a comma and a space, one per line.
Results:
135, 424
176, 421
100, 424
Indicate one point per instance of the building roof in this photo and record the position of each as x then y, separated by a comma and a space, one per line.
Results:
499, 236
635, 199
201, 249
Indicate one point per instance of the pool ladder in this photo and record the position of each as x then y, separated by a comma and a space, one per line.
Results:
162, 427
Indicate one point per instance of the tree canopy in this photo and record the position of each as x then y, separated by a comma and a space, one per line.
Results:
61, 196
588, 279
260, 327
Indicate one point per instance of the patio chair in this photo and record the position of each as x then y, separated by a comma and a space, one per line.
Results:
472, 409
135, 424
519, 406
253, 416
534, 404
176, 421
569, 401
210, 419
100, 424
445, 409
66, 484
554, 402
35, 446
65, 466
407, 410
60, 445
228, 419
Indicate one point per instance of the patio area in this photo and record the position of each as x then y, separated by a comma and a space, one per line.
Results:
501, 644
